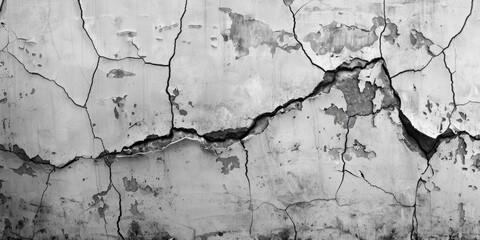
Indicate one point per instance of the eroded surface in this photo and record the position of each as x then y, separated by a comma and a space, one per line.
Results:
271, 119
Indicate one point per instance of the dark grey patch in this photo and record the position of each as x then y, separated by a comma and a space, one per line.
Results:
22, 155
119, 73
352, 121
335, 152
150, 190
135, 212
101, 210
97, 199
176, 92
130, 185
206, 236
295, 147
229, 163
120, 101
281, 235
166, 28
288, 2
359, 150
3, 100
429, 106
418, 40
127, 34
476, 160
190, 103
391, 27
461, 214
135, 232
250, 33
461, 150
32, 92
20, 224
389, 236
115, 112
358, 103
173, 97
194, 26
336, 36
183, 112
25, 169
225, 10
3, 199
463, 115
1, 181
340, 117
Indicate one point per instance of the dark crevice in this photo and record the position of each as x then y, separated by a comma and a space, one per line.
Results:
427, 144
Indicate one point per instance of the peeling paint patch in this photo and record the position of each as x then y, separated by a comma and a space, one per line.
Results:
25, 169
119, 73
250, 33
228, 164
130, 185
333, 38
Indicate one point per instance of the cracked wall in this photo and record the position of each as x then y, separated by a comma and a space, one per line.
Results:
188, 119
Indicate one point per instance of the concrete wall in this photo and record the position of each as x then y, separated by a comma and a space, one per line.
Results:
253, 119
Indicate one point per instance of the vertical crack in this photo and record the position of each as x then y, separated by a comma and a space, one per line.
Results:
250, 207
383, 31
93, 132
343, 160
47, 183
170, 97
109, 161
452, 89
91, 83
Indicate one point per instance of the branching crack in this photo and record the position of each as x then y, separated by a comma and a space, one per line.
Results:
443, 49
299, 42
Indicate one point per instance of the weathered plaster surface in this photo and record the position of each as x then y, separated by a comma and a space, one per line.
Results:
293, 119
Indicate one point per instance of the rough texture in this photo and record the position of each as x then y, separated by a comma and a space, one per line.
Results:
274, 119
